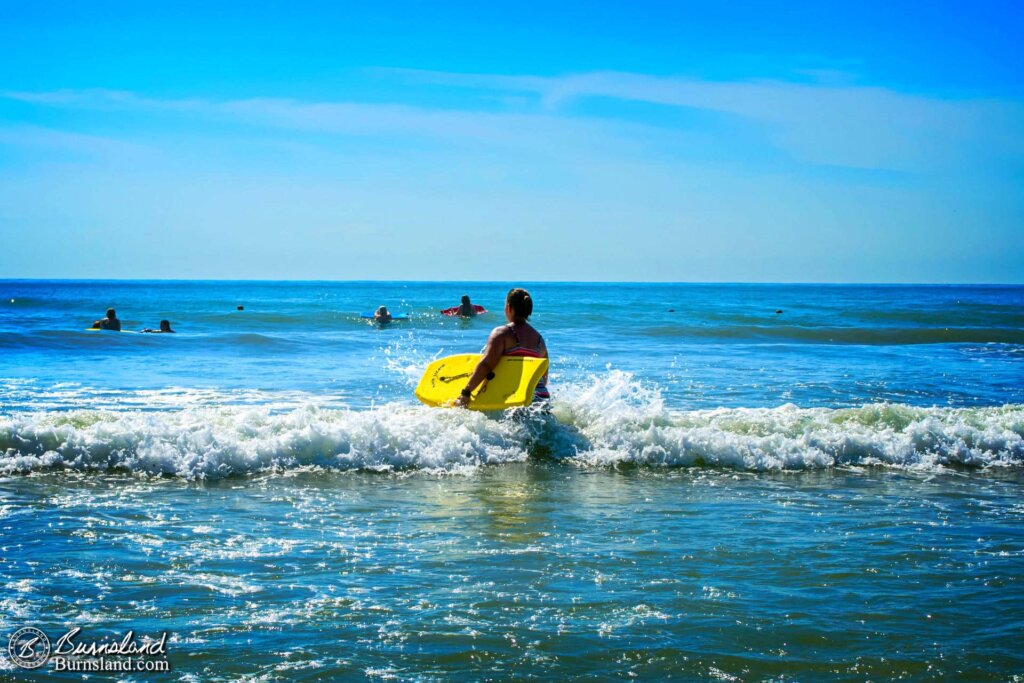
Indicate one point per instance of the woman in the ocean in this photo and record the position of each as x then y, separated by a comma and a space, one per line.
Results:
517, 338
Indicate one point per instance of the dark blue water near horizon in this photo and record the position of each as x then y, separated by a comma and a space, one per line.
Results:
704, 346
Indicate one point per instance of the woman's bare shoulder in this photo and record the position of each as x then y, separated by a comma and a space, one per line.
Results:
500, 331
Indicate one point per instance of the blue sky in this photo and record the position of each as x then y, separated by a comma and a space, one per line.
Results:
835, 142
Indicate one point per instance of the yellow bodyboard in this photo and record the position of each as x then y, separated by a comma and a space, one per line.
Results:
515, 379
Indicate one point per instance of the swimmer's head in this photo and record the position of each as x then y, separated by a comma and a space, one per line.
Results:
465, 298
111, 313
165, 325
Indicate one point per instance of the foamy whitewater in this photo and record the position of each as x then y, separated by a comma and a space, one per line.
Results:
612, 422
731, 481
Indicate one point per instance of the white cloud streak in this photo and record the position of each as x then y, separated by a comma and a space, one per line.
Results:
856, 126
820, 125
549, 133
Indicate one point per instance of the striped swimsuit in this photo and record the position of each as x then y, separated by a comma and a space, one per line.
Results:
541, 392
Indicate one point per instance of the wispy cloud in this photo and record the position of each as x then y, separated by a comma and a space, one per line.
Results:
514, 130
858, 126
815, 124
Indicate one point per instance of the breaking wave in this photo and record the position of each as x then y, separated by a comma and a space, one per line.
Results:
613, 420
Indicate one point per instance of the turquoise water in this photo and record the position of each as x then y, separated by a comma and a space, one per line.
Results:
719, 490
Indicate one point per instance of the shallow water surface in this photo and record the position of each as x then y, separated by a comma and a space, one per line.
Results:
536, 569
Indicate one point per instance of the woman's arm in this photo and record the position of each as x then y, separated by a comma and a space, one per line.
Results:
492, 354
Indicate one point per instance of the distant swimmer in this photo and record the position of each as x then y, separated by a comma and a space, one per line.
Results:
240, 308
165, 327
466, 309
382, 315
517, 338
109, 323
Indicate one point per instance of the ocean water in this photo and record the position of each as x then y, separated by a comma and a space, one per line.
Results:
732, 482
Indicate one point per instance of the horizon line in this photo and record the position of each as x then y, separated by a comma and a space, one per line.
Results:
537, 282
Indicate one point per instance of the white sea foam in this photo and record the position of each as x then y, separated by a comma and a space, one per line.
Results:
612, 420
198, 443
627, 423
